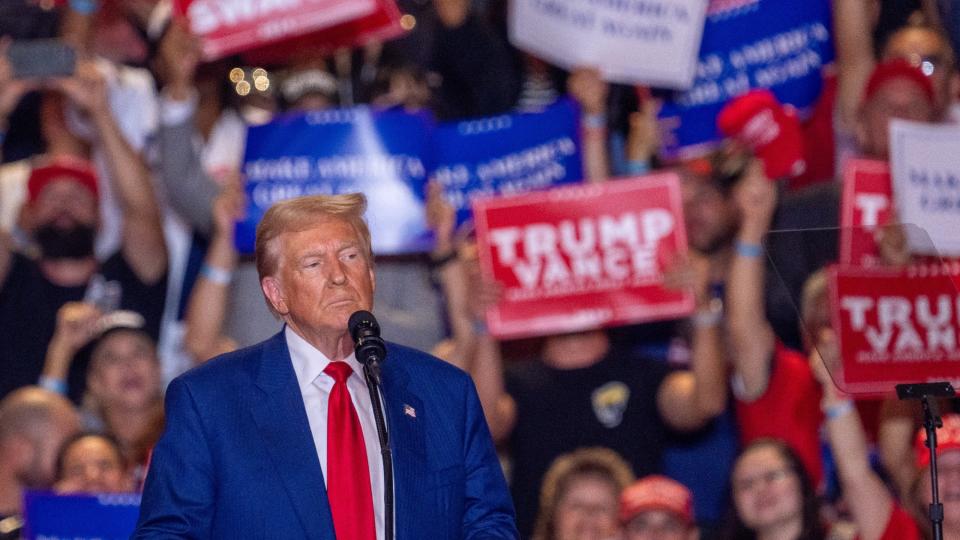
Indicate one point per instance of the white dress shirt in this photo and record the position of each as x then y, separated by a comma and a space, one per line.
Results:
315, 387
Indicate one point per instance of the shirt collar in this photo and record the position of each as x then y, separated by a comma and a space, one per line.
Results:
309, 362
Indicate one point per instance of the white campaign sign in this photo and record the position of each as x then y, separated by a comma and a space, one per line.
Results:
652, 42
925, 163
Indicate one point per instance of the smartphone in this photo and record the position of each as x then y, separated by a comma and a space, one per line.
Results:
41, 58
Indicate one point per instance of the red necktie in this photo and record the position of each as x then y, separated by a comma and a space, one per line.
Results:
348, 474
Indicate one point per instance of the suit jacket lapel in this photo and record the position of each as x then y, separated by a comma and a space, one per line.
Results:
405, 416
282, 422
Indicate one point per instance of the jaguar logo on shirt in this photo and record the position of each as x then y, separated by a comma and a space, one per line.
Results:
610, 402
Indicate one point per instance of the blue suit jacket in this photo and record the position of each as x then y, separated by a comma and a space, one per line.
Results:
237, 459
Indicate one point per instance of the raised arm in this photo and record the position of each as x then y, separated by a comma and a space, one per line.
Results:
852, 34
689, 399
11, 90
449, 271
76, 326
750, 336
864, 492
590, 91
143, 243
189, 189
207, 308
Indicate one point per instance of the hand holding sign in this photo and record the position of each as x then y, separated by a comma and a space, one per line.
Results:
583, 257
756, 198
589, 89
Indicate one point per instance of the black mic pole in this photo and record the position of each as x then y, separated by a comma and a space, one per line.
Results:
371, 351
372, 372
928, 393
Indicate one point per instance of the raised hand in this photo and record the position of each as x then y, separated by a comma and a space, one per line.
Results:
11, 88
589, 89
180, 54
441, 218
756, 198
87, 89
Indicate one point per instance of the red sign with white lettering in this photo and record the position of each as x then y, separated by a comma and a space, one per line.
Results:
895, 327
867, 203
582, 257
229, 26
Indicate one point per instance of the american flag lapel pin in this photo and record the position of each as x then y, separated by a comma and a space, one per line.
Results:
409, 411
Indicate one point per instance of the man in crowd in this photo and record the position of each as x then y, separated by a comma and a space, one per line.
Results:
285, 428
62, 217
657, 508
34, 423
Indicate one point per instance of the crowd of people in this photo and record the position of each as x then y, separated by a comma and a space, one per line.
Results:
121, 184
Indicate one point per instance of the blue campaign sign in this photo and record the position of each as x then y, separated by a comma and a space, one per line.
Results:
111, 516
507, 154
379, 153
777, 44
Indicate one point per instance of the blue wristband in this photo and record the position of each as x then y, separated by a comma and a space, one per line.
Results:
220, 276
593, 121
58, 386
637, 167
748, 250
838, 410
84, 7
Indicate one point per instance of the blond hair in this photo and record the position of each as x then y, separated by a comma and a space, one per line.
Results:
302, 213
595, 461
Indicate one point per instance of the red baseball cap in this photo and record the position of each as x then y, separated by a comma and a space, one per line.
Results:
61, 167
897, 68
656, 492
770, 130
948, 439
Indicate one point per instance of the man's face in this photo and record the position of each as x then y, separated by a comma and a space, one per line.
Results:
125, 372
898, 98
323, 277
65, 203
658, 525
931, 53
710, 218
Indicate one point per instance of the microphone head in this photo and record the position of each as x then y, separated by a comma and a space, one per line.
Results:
360, 321
365, 332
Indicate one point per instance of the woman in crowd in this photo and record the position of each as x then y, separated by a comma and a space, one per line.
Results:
580, 495
773, 496
124, 387
92, 463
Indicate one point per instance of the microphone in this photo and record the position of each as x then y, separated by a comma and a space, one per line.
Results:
371, 350
368, 345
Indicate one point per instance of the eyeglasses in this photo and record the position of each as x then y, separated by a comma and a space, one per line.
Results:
765, 478
927, 64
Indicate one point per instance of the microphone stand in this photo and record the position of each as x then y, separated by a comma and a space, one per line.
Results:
371, 371
927, 393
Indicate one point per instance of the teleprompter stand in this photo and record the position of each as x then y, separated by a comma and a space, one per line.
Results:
928, 393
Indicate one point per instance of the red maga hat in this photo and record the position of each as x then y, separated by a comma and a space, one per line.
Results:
772, 131
897, 68
656, 492
62, 167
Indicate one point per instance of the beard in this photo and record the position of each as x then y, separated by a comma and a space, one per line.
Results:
73, 242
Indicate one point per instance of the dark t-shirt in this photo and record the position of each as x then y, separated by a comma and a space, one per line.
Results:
611, 404
28, 316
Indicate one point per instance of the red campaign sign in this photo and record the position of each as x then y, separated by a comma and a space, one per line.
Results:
866, 204
581, 257
895, 327
231, 26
